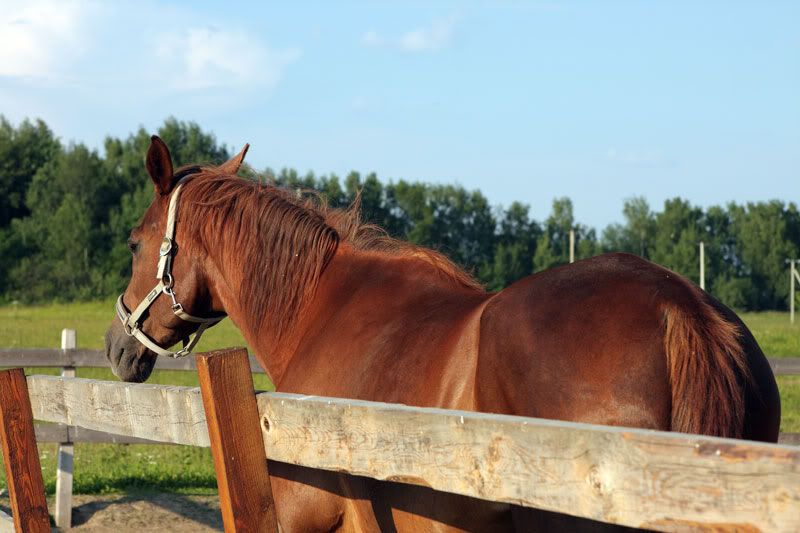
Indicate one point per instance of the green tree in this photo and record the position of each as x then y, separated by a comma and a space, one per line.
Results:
552, 247
767, 233
23, 150
677, 236
515, 247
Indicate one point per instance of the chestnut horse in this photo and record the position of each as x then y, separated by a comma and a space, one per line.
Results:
334, 307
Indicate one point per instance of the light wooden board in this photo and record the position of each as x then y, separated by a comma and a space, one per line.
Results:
155, 412
626, 476
6, 523
49, 432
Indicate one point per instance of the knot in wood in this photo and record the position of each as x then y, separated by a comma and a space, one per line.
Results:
595, 480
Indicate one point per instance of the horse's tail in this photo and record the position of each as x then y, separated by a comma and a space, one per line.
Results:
707, 370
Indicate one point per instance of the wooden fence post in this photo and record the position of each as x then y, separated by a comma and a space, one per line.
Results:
20, 454
237, 446
63, 509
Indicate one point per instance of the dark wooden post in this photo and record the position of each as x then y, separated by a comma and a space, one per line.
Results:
237, 446
20, 454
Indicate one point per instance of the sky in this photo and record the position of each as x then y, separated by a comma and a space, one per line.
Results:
527, 101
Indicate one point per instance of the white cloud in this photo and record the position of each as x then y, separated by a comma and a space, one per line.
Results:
202, 58
40, 38
435, 36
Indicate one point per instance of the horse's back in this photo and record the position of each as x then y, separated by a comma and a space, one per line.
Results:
587, 342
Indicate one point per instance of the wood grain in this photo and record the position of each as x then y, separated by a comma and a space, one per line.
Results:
20, 455
155, 412
625, 476
620, 475
236, 443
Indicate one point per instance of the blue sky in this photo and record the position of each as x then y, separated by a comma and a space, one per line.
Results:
598, 101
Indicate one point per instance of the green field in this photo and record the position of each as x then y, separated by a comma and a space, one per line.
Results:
105, 468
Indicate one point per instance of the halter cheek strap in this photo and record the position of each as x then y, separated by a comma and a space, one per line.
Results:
130, 321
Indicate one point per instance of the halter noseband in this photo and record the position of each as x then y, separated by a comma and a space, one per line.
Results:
130, 321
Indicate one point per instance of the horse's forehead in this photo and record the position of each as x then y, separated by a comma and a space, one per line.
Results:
151, 219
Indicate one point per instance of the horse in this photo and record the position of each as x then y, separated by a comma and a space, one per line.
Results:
333, 306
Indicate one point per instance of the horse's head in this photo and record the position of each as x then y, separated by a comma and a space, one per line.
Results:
168, 297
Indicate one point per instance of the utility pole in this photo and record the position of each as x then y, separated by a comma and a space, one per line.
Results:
792, 275
702, 265
572, 246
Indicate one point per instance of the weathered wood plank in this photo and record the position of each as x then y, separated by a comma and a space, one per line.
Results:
52, 432
20, 455
38, 357
236, 444
620, 475
155, 412
790, 439
6, 523
83, 358
785, 366
625, 476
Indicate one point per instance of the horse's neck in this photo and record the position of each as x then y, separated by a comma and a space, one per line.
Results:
370, 278
370, 290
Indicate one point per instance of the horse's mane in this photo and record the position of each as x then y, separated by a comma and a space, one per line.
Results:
282, 239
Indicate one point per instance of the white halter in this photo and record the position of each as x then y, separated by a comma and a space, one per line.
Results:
130, 321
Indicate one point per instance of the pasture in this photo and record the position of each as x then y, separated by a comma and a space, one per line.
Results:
109, 468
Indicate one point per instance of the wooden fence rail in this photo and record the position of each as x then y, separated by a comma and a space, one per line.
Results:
85, 358
53, 357
625, 476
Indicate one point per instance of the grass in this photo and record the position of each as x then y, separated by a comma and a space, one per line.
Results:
109, 468
39, 326
774, 333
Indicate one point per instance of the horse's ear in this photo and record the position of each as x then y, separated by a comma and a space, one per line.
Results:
231, 166
159, 165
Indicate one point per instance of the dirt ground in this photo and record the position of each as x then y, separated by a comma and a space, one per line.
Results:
123, 513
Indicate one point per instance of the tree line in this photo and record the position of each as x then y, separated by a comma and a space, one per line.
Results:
66, 211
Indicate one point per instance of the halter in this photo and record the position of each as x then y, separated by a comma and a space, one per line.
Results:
130, 321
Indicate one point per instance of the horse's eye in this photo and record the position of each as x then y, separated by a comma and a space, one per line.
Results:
133, 246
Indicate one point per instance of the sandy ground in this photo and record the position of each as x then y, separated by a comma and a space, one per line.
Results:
122, 513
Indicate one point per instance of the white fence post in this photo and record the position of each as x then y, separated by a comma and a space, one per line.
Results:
702, 265
63, 511
572, 246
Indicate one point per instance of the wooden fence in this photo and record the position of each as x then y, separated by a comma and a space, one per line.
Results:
224, 409
625, 476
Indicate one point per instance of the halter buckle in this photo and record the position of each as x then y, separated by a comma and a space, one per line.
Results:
166, 247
